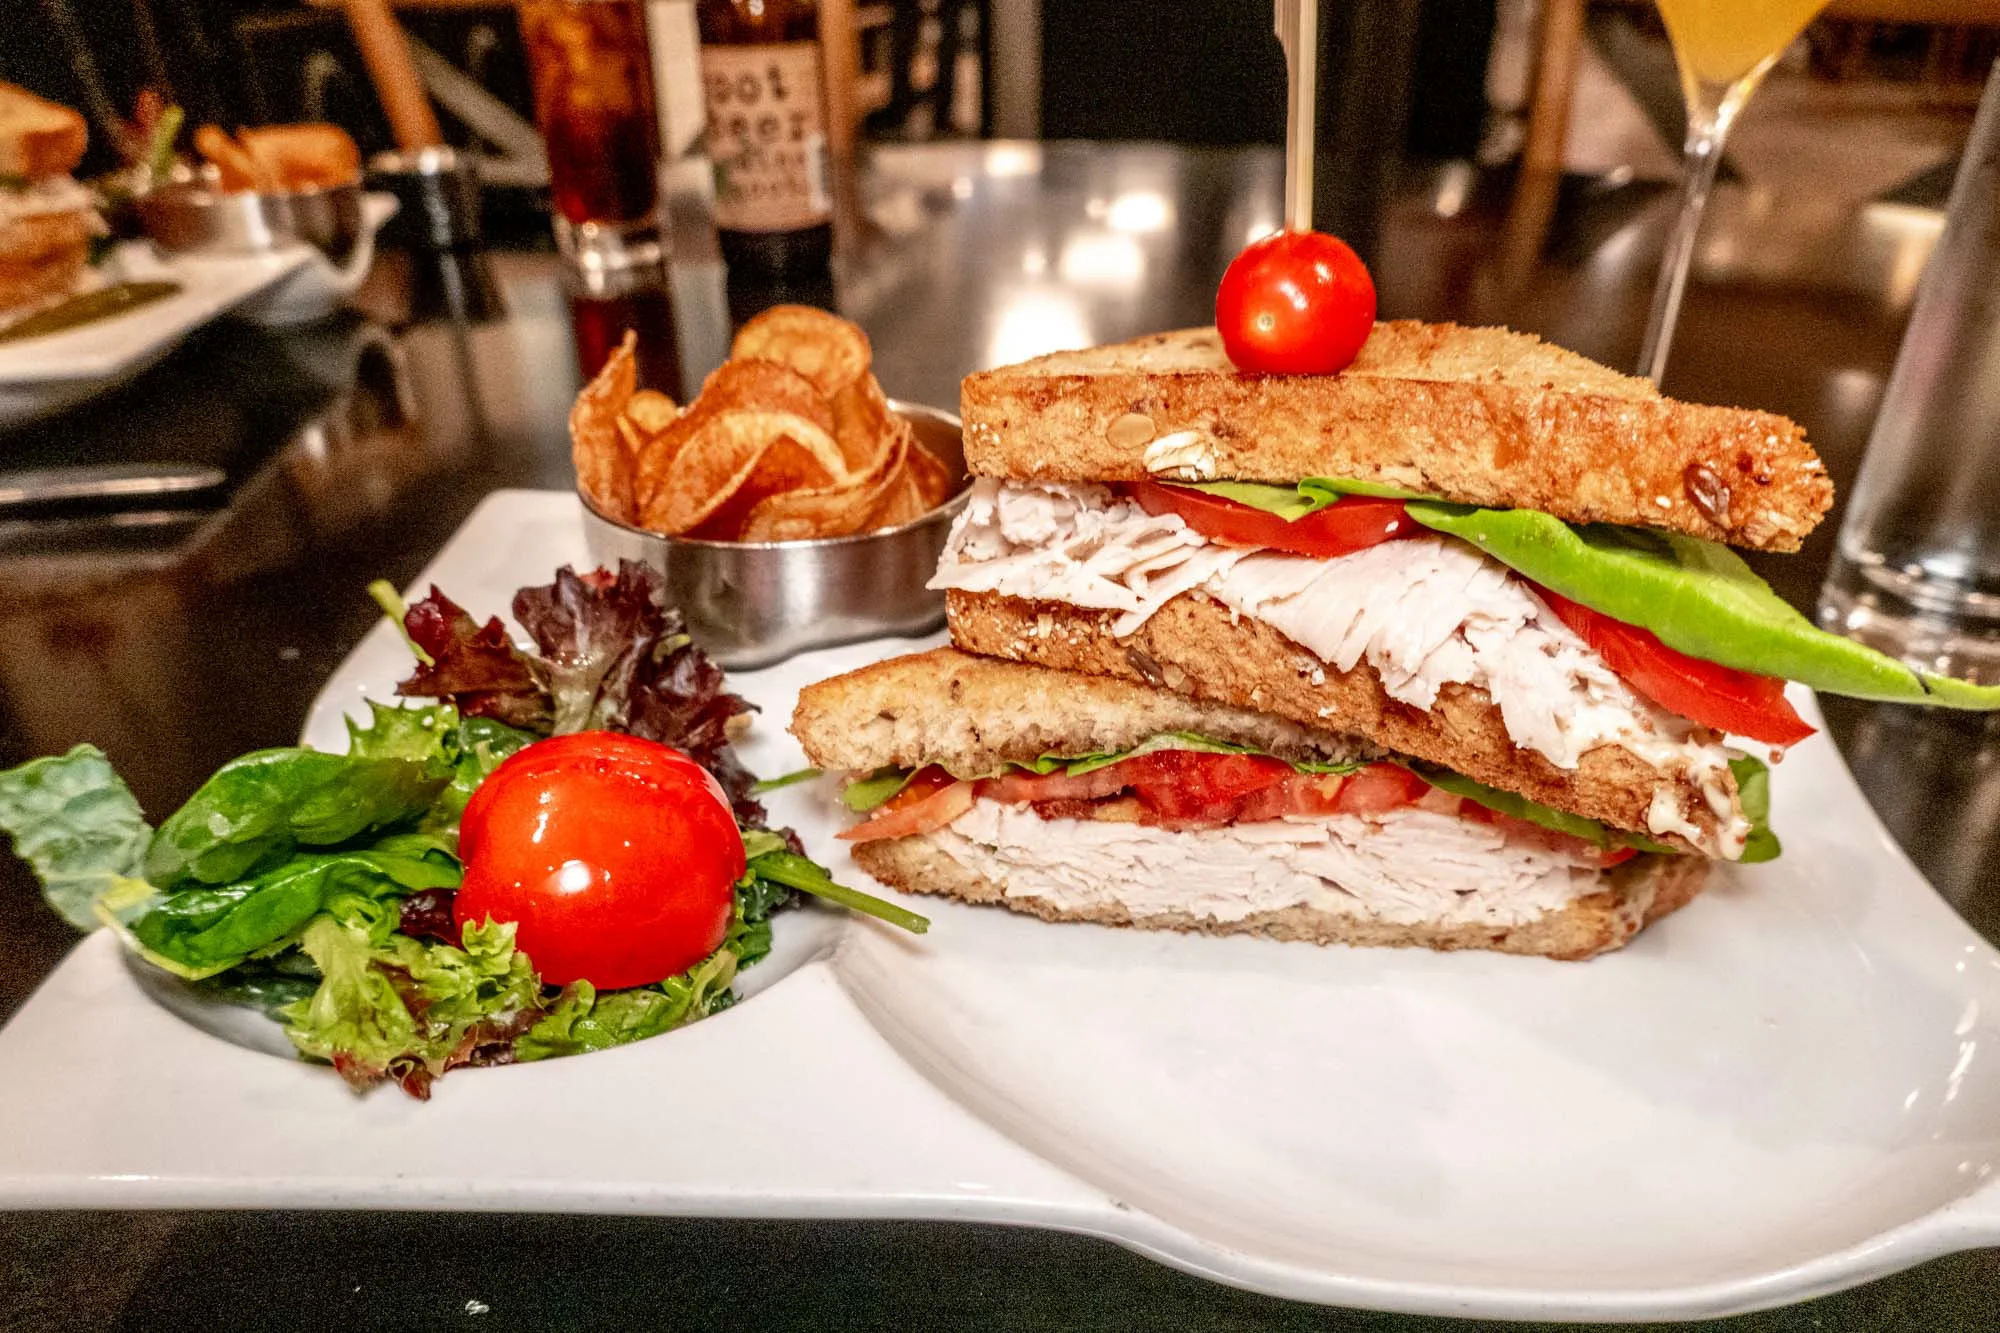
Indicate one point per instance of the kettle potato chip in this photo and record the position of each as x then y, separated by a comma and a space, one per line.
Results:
790, 439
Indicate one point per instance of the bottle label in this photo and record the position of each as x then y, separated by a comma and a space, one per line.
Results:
767, 136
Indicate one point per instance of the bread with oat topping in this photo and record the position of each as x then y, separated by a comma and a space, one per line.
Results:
1482, 416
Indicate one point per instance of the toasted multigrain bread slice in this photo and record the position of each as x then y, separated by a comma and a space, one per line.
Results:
1195, 647
1633, 896
973, 714
38, 137
1482, 416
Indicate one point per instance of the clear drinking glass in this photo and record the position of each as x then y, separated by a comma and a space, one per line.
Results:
1916, 570
1723, 49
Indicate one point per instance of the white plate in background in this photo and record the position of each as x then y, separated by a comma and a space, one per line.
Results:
1791, 1086
40, 376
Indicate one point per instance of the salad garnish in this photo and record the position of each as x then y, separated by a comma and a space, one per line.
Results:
320, 887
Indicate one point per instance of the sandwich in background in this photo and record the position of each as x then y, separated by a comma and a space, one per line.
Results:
47, 219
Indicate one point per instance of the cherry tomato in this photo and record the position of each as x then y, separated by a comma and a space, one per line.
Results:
615, 857
1353, 523
1716, 696
1295, 303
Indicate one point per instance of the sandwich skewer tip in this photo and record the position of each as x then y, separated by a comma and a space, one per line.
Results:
1298, 33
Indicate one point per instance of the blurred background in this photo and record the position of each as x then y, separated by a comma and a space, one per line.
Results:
1868, 106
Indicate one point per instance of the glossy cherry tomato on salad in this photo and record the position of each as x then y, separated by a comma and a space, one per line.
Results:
616, 857
1716, 696
1295, 303
1354, 523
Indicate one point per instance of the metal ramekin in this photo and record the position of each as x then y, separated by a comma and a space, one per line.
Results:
751, 604
188, 216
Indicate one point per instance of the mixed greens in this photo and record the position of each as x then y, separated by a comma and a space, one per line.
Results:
1698, 597
318, 886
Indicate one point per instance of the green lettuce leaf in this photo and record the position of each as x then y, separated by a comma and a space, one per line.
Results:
1699, 597
1176, 740
586, 1019
77, 825
422, 734
356, 1018
865, 794
1534, 812
1293, 503
391, 1007
202, 931
258, 809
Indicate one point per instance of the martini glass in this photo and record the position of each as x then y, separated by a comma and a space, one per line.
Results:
1723, 48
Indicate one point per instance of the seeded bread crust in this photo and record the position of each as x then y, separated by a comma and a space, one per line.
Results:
973, 714
1634, 896
1194, 647
1482, 416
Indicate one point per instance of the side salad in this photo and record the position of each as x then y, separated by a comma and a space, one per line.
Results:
387, 905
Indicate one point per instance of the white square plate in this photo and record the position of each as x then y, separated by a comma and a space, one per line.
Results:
1788, 1087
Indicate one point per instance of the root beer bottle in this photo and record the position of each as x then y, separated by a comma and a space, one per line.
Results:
761, 76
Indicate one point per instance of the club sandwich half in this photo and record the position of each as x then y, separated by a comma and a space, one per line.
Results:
1492, 565
1086, 798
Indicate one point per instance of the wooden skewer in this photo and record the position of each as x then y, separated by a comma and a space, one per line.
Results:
1298, 33
387, 55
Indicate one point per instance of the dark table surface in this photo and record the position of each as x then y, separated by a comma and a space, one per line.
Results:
178, 638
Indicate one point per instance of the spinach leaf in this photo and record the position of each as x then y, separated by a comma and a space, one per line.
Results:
258, 809
1753, 793
269, 985
76, 824
798, 872
481, 744
472, 747
201, 931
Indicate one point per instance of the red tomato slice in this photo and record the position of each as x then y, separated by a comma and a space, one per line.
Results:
1380, 788
1520, 830
932, 799
1716, 696
1299, 794
1354, 523
1194, 785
